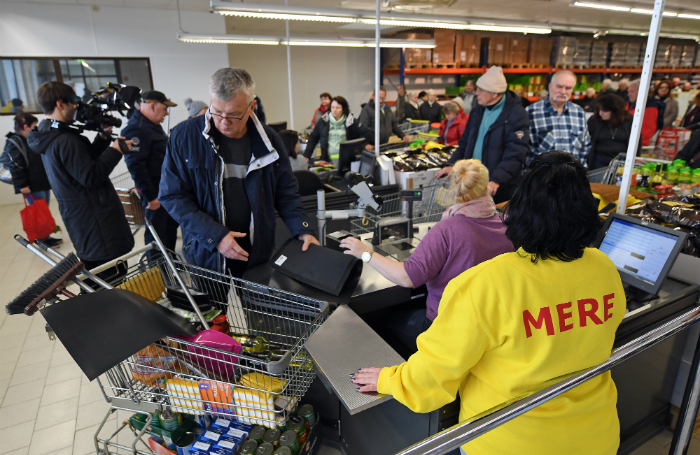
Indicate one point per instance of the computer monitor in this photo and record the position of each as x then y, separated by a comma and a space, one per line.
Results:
367, 163
349, 151
642, 252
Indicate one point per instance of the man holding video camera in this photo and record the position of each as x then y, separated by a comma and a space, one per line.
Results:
79, 175
146, 162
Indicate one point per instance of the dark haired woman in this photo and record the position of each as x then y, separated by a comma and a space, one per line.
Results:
663, 94
338, 125
27, 169
509, 324
610, 128
291, 143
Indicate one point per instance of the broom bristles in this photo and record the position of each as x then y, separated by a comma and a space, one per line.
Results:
26, 297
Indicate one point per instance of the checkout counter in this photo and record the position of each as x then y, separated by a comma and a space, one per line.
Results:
353, 336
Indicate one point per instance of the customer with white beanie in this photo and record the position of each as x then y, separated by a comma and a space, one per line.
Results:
497, 134
195, 107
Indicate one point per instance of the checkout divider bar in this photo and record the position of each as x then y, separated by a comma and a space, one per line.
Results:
466, 431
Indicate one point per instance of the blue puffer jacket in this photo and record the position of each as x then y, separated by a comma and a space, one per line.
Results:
191, 191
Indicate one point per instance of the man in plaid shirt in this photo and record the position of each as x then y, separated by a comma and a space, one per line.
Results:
558, 124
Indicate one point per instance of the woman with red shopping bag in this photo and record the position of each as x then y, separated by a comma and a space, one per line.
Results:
29, 178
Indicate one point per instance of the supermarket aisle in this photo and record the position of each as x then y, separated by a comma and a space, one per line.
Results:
47, 405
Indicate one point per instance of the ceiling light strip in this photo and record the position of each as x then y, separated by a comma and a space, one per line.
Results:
303, 41
605, 6
291, 17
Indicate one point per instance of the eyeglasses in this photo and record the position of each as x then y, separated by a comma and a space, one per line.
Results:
230, 118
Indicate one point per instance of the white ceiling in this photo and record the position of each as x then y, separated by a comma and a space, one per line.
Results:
540, 11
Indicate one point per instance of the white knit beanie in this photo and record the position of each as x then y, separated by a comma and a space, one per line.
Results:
458, 101
493, 80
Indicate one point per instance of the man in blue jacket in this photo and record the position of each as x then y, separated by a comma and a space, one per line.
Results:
224, 176
146, 162
497, 134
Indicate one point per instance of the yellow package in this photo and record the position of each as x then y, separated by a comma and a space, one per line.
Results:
260, 381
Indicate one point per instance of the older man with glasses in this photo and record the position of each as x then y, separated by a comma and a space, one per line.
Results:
224, 176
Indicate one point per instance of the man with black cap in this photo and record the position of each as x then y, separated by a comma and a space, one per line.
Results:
17, 106
146, 161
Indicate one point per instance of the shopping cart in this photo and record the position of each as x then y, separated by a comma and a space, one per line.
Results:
131, 200
413, 127
612, 174
254, 387
436, 198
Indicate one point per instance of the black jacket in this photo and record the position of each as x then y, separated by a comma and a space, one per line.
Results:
586, 103
411, 112
691, 152
353, 130
26, 166
260, 111
430, 113
594, 128
506, 142
388, 124
89, 205
146, 159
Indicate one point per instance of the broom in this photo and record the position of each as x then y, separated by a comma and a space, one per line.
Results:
48, 286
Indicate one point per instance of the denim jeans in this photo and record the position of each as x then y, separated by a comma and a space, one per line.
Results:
45, 195
462, 451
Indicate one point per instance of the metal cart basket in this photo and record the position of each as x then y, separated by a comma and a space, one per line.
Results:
412, 127
436, 198
131, 201
609, 175
257, 387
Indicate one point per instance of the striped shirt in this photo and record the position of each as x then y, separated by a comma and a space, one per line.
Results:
550, 130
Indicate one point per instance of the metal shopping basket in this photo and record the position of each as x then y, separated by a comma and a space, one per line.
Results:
609, 175
131, 201
413, 127
436, 198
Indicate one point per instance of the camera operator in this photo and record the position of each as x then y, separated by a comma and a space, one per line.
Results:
79, 175
147, 160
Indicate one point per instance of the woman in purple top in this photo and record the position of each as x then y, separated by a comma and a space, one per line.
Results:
469, 233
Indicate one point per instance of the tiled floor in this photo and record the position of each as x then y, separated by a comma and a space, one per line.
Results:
47, 405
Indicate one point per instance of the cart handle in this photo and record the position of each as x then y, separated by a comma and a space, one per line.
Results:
124, 258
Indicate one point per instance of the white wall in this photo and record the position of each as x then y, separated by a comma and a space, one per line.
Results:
348, 72
179, 70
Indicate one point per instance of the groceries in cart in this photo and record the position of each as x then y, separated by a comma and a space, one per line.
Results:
175, 432
421, 160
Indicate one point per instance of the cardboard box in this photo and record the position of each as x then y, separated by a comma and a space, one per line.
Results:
540, 51
413, 180
468, 49
444, 51
416, 56
518, 50
498, 50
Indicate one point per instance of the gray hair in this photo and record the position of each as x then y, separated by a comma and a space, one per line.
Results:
559, 74
635, 83
606, 84
228, 82
450, 108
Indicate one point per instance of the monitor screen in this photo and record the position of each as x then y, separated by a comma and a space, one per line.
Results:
349, 152
643, 253
367, 163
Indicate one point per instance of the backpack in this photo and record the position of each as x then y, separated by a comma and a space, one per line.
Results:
6, 160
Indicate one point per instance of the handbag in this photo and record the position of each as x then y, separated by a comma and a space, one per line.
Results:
37, 220
6, 159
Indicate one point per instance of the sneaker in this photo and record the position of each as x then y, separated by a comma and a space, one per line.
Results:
51, 242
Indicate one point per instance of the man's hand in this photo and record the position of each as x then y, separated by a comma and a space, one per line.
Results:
406, 139
366, 379
153, 205
444, 171
493, 187
230, 248
115, 145
308, 239
25, 190
369, 147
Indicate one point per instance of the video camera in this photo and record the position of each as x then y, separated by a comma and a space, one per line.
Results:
93, 111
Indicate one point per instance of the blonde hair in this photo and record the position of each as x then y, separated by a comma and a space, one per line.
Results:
469, 180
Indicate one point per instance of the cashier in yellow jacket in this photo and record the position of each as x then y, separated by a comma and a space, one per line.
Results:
520, 319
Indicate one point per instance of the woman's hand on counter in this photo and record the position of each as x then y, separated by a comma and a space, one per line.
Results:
366, 379
354, 247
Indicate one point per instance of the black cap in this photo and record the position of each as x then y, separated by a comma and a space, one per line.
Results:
155, 95
17, 102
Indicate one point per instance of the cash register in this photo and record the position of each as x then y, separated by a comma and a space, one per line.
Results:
643, 254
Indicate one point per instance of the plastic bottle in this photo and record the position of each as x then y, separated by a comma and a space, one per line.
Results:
657, 179
695, 180
644, 178
685, 182
672, 175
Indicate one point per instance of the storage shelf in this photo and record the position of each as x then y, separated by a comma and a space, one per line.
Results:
428, 71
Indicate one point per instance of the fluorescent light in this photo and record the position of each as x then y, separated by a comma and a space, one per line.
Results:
689, 16
291, 17
456, 26
304, 41
651, 11
601, 6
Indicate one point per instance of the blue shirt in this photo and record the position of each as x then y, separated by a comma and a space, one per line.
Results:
490, 115
550, 130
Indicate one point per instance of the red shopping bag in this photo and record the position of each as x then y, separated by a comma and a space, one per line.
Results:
37, 220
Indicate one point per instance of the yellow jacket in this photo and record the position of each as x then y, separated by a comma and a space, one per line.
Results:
508, 325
